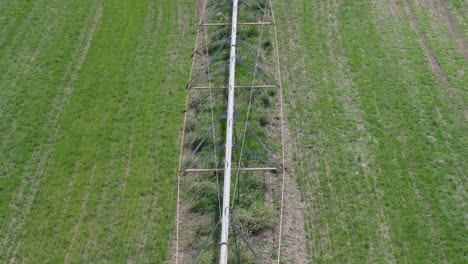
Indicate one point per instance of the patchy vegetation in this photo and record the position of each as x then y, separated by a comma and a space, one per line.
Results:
255, 196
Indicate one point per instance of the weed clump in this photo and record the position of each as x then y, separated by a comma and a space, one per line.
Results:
204, 196
256, 218
267, 45
272, 92
263, 120
265, 101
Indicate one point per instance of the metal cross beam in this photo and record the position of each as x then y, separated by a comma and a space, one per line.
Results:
234, 169
245, 23
224, 87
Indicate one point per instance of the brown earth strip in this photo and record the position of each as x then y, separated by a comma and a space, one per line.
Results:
294, 239
177, 255
293, 236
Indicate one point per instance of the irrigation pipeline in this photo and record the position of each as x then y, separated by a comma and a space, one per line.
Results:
229, 128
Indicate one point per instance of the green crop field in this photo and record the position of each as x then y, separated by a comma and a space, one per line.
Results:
376, 95
91, 101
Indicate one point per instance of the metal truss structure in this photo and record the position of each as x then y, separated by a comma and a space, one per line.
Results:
234, 109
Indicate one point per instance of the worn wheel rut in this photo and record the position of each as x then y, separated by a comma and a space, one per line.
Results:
22, 201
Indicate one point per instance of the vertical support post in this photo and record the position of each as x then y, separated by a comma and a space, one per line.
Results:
229, 131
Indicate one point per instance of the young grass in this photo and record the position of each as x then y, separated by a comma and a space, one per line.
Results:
98, 170
383, 179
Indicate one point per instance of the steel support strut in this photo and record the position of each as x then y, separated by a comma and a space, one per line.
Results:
229, 131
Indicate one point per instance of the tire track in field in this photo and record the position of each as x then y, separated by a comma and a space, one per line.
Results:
22, 27
300, 229
152, 217
14, 204
25, 70
148, 201
315, 237
410, 11
422, 202
393, 7
87, 35
22, 201
103, 201
82, 214
72, 69
143, 44
152, 27
423, 42
451, 92
396, 31
92, 239
20, 71
447, 18
436, 69
93, 233
294, 238
349, 98
435, 234
128, 165
71, 184
317, 231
